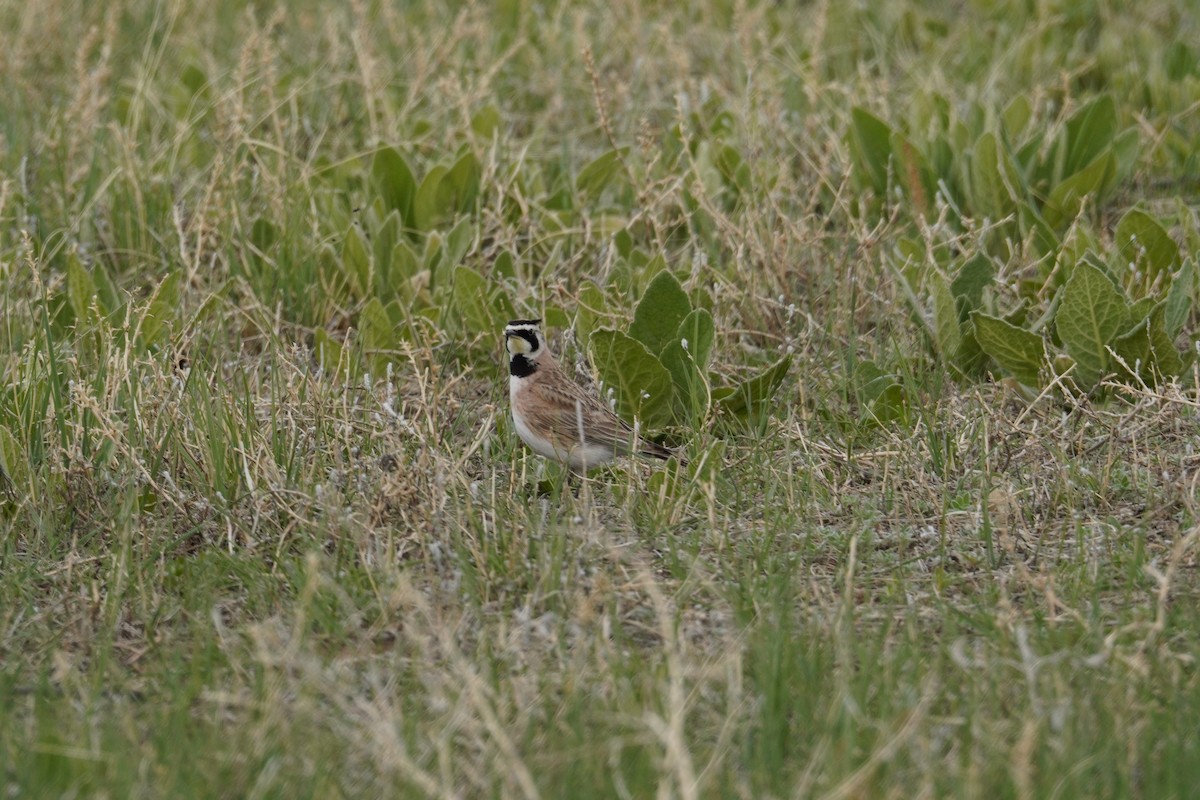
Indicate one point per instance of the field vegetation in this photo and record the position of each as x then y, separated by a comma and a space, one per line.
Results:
914, 285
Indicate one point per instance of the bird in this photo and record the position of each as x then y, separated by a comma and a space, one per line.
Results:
556, 417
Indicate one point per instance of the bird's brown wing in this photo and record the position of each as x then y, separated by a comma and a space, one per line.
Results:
571, 417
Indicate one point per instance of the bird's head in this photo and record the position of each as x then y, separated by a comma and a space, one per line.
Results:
526, 346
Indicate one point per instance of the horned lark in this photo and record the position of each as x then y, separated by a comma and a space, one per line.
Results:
555, 416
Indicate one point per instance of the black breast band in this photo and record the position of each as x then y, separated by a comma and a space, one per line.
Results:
521, 367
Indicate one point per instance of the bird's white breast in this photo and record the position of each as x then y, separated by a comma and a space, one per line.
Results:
539, 444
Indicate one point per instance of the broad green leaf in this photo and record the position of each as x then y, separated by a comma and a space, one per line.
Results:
333, 281
914, 174
162, 308
1067, 197
329, 352
1089, 131
1149, 350
1144, 245
690, 383
870, 380
378, 336
194, 80
1019, 352
503, 310
970, 359
263, 235
967, 287
427, 209
1125, 149
703, 163
733, 168
111, 298
471, 293
1167, 361
1179, 61
709, 463
356, 263
486, 121
721, 394
504, 267
994, 179
1020, 314
722, 123
749, 396
663, 306
624, 243
942, 158
395, 182
1179, 300
880, 393
433, 260
946, 329
640, 384
459, 241
686, 358
399, 315
80, 287
1133, 348
1141, 309
1029, 157
590, 310
889, 403
1035, 228
596, 175
460, 186
1016, 116
909, 272
553, 316
431, 317
870, 148
1079, 244
699, 331
702, 298
209, 308
1091, 315
404, 262
911, 252
383, 242
643, 269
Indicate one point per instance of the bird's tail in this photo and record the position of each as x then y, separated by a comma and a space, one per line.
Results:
655, 450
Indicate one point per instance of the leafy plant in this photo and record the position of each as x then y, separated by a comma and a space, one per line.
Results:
996, 165
879, 394
658, 370
1116, 317
91, 296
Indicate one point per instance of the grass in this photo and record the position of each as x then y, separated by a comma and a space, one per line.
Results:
253, 544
